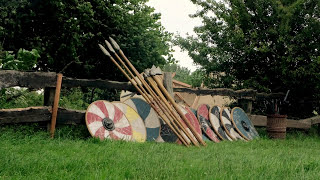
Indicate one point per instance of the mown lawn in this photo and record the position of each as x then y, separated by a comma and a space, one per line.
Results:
27, 153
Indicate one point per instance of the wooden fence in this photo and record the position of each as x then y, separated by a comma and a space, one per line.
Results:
47, 80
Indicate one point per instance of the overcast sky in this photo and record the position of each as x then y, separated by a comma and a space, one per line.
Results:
175, 18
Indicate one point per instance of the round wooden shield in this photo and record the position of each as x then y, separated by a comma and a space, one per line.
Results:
214, 118
106, 121
167, 134
226, 123
139, 132
203, 117
204, 136
243, 124
148, 115
192, 120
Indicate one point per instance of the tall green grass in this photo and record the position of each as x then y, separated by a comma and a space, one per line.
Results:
27, 153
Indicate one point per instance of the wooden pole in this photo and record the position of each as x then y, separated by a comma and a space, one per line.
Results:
55, 105
171, 100
167, 82
142, 83
145, 96
172, 113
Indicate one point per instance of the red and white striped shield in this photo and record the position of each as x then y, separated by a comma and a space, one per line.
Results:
106, 121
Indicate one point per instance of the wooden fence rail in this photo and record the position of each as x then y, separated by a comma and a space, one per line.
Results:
249, 94
47, 80
36, 80
67, 116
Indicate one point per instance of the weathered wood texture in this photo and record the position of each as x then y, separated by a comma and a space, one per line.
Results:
259, 120
167, 82
249, 94
40, 114
67, 116
10, 78
31, 114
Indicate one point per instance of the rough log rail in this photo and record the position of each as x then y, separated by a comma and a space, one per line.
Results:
67, 116
40, 114
249, 94
36, 80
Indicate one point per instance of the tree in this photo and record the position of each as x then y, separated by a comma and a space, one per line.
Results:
267, 45
66, 34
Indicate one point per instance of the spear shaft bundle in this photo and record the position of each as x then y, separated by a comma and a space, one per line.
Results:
155, 94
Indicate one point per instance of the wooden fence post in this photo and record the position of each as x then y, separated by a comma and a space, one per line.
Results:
246, 105
49, 93
167, 82
55, 105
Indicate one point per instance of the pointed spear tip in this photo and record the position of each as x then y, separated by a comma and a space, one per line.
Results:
109, 46
115, 44
104, 50
159, 70
147, 72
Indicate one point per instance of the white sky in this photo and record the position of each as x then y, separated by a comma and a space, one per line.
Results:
175, 18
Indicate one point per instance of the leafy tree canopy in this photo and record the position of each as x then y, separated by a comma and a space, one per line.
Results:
66, 34
262, 44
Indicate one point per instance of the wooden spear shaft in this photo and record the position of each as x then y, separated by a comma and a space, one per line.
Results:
144, 95
158, 102
172, 113
165, 92
162, 106
144, 83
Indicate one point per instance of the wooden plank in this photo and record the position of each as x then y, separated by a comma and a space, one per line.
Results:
37, 80
99, 83
68, 116
249, 94
40, 114
298, 124
259, 120
241, 94
21, 115
179, 83
313, 120
11, 78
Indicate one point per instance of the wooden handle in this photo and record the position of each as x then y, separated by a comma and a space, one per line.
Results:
165, 92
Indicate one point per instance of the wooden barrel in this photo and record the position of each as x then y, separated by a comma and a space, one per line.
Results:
276, 126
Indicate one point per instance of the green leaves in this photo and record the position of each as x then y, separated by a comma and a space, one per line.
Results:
67, 32
266, 45
25, 60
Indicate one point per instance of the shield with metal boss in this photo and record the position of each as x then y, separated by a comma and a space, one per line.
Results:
106, 121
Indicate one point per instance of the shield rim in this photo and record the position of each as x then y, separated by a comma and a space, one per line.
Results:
216, 131
204, 132
142, 119
234, 124
145, 136
112, 120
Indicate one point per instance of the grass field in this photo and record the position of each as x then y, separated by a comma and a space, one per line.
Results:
27, 153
